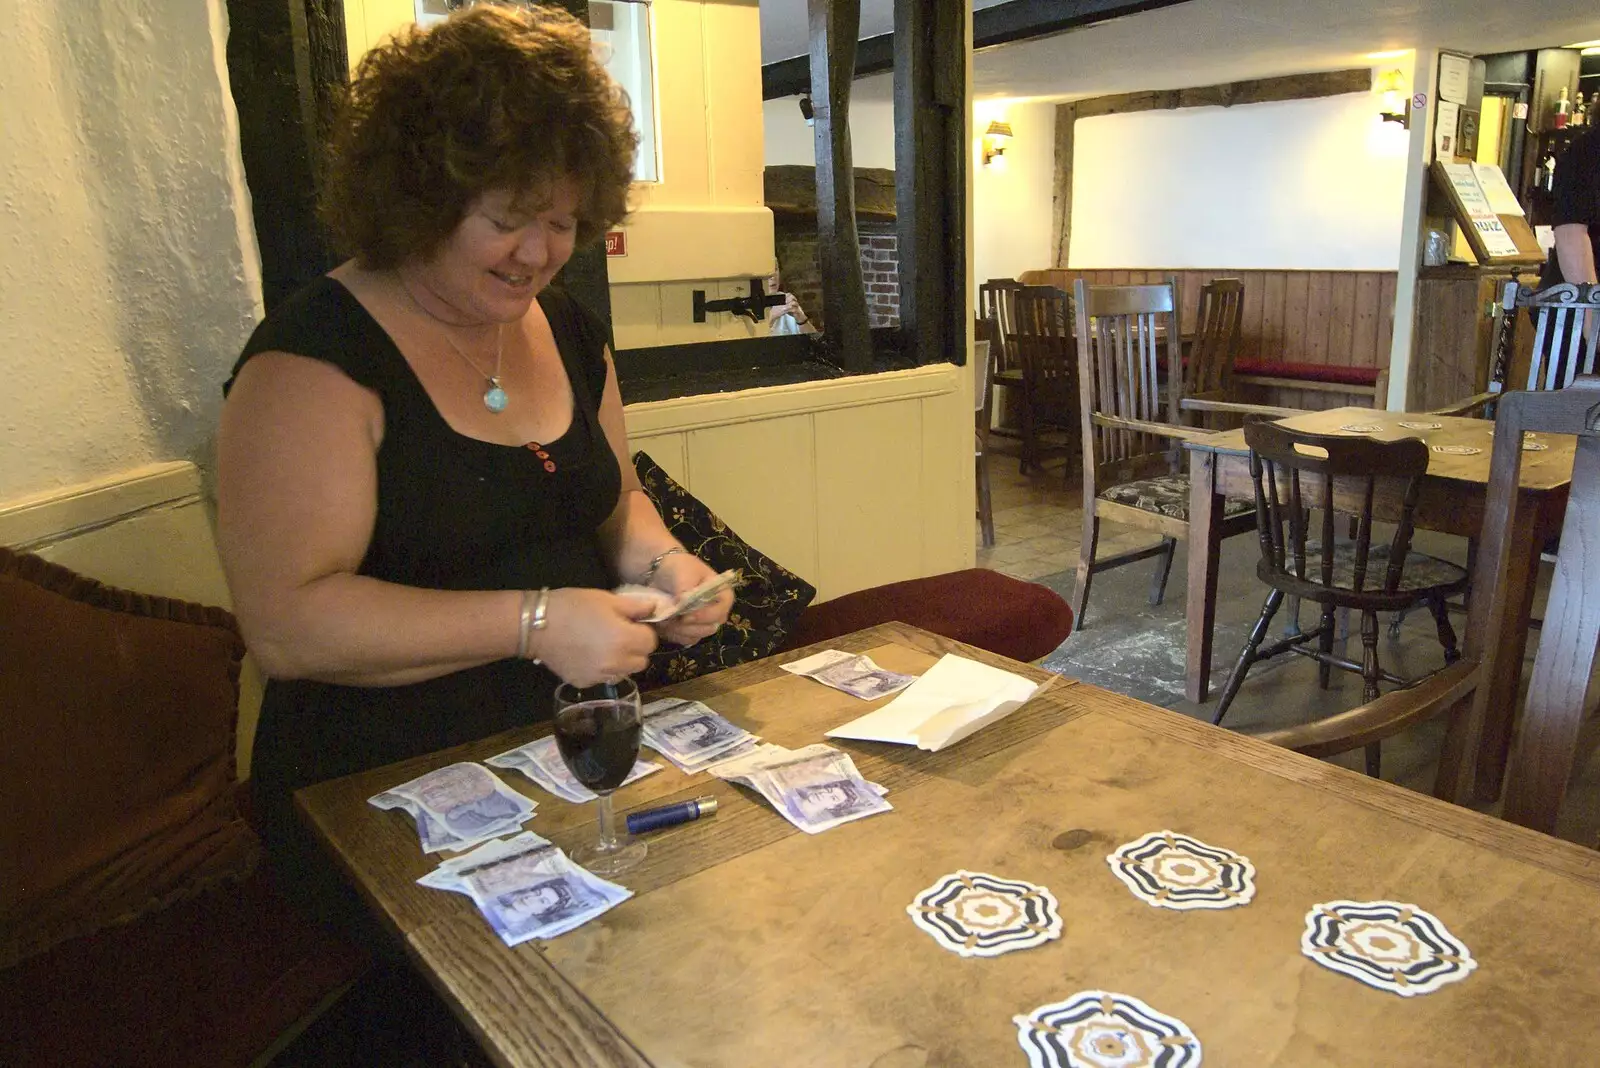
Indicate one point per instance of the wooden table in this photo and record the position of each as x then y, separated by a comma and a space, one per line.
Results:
1452, 502
751, 943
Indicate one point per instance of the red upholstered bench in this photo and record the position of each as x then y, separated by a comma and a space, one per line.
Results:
1331, 378
1021, 620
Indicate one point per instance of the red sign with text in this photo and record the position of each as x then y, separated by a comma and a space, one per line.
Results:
616, 243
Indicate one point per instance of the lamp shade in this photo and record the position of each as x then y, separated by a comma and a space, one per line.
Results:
998, 129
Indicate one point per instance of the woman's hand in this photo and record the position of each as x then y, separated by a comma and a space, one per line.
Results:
594, 636
678, 574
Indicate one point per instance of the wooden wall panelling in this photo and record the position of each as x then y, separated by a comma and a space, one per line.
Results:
1364, 341
1296, 295
1388, 282
1319, 298
1250, 321
777, 513
1341, 319
864, 498
1272, 324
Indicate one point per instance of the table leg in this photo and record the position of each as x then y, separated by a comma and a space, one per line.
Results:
1205, 541
1522, 572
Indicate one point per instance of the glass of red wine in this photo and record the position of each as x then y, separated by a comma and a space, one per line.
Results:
597, 732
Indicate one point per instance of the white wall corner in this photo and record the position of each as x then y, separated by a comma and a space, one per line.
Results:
1419, 155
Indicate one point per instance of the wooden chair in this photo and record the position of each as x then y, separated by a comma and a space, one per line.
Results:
997, 302
1372, 481
1208, 364
1042, 343
983, 402
1132, 469
1557, 353
1544, 753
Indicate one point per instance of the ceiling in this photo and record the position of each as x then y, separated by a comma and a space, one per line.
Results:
1205, 42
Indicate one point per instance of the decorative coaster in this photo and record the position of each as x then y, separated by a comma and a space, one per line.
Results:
1409, 425
1533, 446
1173, 871
980, 915
1458, 450
1361, 428
1098, 1029
1385, 944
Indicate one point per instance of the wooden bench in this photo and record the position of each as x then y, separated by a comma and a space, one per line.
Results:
1308, 339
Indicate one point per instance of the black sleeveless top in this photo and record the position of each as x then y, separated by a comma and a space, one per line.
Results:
453, 513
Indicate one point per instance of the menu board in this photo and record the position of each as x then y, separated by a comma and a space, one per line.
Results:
1488, 213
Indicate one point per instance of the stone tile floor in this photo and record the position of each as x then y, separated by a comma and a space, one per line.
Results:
1038, 526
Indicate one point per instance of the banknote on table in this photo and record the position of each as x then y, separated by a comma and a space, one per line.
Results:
541, 761
669, 607
527, 888
458, 806
814, 788
853, 673
692, 735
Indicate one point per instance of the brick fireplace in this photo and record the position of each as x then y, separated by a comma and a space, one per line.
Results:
791, 194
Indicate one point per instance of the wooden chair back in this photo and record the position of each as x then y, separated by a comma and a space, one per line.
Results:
997, 302
1366, 480
1219, 325
1556, 355
1127, 336
1043, 344
1542, 760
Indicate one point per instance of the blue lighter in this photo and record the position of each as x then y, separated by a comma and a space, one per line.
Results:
653, 819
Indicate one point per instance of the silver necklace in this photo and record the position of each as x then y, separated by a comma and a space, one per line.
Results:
494, 398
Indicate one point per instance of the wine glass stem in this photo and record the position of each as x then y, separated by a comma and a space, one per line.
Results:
608, 825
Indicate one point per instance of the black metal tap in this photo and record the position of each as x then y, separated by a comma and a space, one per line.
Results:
752, 306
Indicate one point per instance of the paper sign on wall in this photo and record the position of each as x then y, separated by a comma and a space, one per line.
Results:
1444, 131
1454, 73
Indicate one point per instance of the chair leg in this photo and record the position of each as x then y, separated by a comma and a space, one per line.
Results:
1091, 536
1396, 623
1447, 633
1158, 581
985, 502
1375, 759
1369, 656
1247, 656
1030, 440
1291, 624
1325, 646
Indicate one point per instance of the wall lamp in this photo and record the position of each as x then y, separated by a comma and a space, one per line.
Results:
1394, 107
994, 141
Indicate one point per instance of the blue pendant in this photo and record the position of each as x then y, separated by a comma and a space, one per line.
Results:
495, 398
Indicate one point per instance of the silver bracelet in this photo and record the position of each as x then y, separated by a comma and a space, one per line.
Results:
534, 607
655, 564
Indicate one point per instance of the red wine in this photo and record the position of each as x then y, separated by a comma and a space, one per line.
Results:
599, 741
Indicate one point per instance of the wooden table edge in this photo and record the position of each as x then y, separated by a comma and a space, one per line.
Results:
1464, 824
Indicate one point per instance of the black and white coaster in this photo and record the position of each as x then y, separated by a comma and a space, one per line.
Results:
1173, 871
1099, 1029
1387, 944
980, 915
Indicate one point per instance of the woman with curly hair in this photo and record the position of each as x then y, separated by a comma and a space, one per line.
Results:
424, 489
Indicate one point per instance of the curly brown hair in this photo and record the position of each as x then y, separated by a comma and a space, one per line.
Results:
493, 98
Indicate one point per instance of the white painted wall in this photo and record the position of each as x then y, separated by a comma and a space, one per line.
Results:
1311, 184
1011, 198
128, 270
791, 141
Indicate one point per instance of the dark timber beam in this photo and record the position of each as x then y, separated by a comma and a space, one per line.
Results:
1257, 91
286, 62
1019, 20
834, 26
1061, 199
930, 146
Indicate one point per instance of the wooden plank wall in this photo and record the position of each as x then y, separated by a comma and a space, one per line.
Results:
1328, 317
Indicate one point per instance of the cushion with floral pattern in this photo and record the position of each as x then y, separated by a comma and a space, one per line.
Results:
766, 604
1168, 495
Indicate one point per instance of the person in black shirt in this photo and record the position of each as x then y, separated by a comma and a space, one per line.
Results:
1576, 218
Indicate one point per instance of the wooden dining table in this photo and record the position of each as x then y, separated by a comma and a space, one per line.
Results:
1452, 499
748, 942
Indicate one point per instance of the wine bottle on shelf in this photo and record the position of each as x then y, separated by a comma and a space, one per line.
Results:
1545, 174
1563, 112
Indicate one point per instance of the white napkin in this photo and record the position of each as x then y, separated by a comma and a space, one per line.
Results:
954, 698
